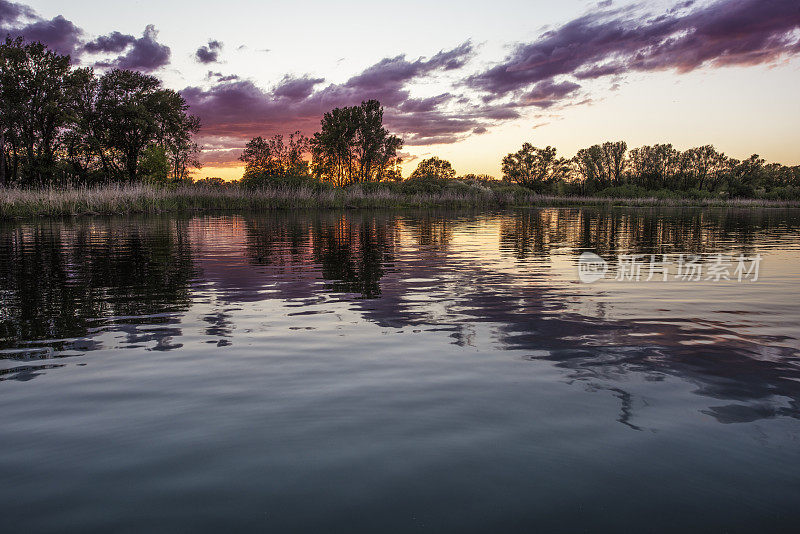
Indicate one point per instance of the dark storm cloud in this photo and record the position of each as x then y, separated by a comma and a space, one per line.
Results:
208, 53
616, 41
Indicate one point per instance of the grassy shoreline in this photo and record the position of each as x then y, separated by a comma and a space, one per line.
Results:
109, 200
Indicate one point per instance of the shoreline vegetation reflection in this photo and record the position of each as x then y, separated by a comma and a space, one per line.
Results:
67, 285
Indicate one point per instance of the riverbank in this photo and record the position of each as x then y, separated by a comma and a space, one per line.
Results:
109, 200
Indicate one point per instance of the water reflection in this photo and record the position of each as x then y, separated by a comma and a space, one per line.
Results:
645, 230
61, 282
67, 288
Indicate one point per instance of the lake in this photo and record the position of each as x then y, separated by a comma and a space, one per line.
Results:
401, 371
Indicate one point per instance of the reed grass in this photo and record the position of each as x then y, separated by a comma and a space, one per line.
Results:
141, 198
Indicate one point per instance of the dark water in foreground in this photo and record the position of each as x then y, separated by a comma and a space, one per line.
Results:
385, 372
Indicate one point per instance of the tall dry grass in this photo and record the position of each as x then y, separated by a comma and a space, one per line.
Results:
141, 198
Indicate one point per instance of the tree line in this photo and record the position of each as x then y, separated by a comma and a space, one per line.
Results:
353, 147
62, 125
611, 167
367, 153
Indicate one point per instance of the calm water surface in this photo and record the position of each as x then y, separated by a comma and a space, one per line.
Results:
396, 372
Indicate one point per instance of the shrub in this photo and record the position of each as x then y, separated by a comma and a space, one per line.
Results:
260, 179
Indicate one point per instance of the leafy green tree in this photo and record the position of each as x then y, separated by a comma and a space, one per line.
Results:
433, 170
352, 145
154, 165
703, 164
656, 167
601, 166
134, 112
61, 124
275, 160
587, 167
609, 168
211, 181
534, 168
34, 108
746, 176
375, 148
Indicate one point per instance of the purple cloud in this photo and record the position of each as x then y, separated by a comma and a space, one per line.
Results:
615, 41
57, 33
546, 93
239, 109
208, 53
390, 75
236, 110
420, 105
114, 42
60, 34
547, 72
144, 53
219, 77
296, 88
610, 41
453, 59
11, 12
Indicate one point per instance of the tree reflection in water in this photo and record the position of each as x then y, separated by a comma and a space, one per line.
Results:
62, 283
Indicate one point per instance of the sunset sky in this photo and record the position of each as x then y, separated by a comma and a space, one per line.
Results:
467, 81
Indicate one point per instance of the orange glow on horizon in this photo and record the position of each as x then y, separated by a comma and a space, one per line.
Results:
226, 173
230, 173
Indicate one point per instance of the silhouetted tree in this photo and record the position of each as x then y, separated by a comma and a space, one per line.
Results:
613, 160
34, 89
273, 160
176, 129
655, 166
601, 166
58, 123
534, 168
352, 145
704, 163
694, 172
746, 176
136, 112
433, 169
